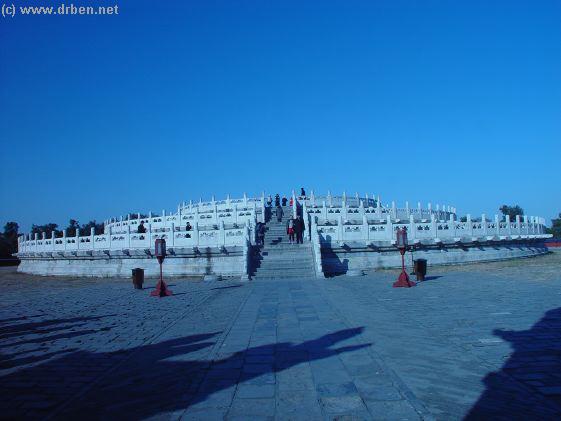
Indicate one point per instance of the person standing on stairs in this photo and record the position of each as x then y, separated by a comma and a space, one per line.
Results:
280, 212
284, 199
299, 229
277, 200
290, 230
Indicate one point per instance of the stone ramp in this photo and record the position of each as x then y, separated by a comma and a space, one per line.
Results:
277, 258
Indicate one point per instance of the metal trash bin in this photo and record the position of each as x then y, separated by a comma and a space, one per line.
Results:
420, 268
137, 277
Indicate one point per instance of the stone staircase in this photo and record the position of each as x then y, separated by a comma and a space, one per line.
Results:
277, 258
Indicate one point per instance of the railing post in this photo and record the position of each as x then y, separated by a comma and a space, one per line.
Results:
394, 210
412, 230
389, 229
196, 232
434, 227
452, 224
469, 225
92, 237
36, 242
508, 227
518, 227
128, 236
340, 228
64, 239
77, 235
294, 205
484, 223
364, 228
497, 225
324, 210
222, 234
172, 230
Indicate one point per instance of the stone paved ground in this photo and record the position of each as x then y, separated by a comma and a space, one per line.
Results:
476, 341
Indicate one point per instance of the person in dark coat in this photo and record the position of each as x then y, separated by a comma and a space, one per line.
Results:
141, 228
284, 200
302, 192
277, 200
299, 229
280, 213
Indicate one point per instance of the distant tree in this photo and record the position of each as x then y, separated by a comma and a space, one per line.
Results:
85, 229
46, 228
511, 211
134, 215
73, 225
463, 219
555, 227
9, 240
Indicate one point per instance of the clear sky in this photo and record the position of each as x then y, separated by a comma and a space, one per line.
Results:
455, 102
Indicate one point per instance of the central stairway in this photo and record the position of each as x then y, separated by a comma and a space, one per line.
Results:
277, 258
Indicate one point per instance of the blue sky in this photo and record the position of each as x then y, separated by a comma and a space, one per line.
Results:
443, 101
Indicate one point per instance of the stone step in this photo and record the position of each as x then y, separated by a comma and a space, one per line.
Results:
283, 273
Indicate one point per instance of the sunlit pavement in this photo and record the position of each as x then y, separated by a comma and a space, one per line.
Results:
476, 341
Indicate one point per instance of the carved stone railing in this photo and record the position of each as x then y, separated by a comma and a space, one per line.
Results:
128, 239
427, 231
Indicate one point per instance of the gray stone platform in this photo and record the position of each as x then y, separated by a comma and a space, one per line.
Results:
473, 341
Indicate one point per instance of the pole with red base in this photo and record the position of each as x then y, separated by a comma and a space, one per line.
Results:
401, 243
161, 287
403, 280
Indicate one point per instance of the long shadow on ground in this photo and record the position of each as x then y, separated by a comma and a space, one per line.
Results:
529, 384
156, 378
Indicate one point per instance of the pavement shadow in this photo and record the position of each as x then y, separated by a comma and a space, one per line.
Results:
163, 377
528, 386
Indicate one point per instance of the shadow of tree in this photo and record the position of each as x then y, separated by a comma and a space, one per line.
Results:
529, 384
157, 378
